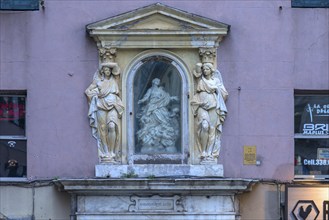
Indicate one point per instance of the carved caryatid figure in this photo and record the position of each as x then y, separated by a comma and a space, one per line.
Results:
158, 125
105, 110
209, 109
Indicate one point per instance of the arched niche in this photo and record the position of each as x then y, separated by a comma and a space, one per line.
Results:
157, 109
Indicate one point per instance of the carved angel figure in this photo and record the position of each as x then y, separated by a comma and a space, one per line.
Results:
158, 126
209, 109
105, 111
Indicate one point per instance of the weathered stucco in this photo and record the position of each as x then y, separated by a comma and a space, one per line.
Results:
33, 201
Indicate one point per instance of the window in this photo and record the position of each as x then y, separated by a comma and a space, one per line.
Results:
312, 133
19, 5
310, 3
12, 134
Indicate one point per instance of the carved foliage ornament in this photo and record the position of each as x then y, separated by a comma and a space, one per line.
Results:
207, 55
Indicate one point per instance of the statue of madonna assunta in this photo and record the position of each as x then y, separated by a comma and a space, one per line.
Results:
159, 126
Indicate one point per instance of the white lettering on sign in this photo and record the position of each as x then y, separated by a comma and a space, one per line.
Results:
316, 162
322, 111
319, 109
316, 129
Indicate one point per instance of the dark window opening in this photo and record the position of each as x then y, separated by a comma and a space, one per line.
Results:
12, 134
311, 133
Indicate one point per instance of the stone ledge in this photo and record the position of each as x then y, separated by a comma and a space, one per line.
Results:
163, 186
158, 170
144, 216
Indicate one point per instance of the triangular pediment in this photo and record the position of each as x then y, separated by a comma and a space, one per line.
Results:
157, 17
157, 22
157, 26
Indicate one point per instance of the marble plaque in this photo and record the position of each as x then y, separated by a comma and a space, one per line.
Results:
155, 204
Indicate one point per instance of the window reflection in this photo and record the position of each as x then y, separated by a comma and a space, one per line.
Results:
12, 135
12, 158
312, 157
311, 134
12, 115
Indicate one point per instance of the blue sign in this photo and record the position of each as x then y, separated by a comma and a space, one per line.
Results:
19, 5
310, 3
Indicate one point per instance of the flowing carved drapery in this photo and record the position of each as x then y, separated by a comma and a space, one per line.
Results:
105, 107
208, 107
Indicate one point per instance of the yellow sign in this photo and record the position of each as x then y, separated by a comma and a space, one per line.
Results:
249, 155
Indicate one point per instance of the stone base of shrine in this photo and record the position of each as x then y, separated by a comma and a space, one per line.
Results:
159, 170
155, 199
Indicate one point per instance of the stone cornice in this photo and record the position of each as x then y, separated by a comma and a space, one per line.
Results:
158, 26
162, 186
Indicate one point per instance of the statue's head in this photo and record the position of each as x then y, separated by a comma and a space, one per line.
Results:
156, 81
105, 70
207, 69
209, 66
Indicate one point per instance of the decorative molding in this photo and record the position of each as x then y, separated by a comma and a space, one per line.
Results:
207, 55
158, 26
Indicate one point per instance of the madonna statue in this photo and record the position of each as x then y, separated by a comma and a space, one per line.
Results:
158, 124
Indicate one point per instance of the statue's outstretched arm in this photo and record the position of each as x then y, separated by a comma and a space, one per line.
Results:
145, 97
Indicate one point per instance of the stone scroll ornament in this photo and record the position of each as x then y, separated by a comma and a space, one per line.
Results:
209, 109
106, 108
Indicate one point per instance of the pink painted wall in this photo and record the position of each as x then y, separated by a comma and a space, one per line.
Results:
268, 53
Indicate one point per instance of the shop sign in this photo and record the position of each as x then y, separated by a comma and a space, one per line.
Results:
318, 119
19, 5
307, 202
310, 3
323, 153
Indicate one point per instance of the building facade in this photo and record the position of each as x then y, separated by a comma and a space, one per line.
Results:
273, 59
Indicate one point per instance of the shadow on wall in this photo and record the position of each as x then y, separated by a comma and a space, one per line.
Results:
262, 202
284, 172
